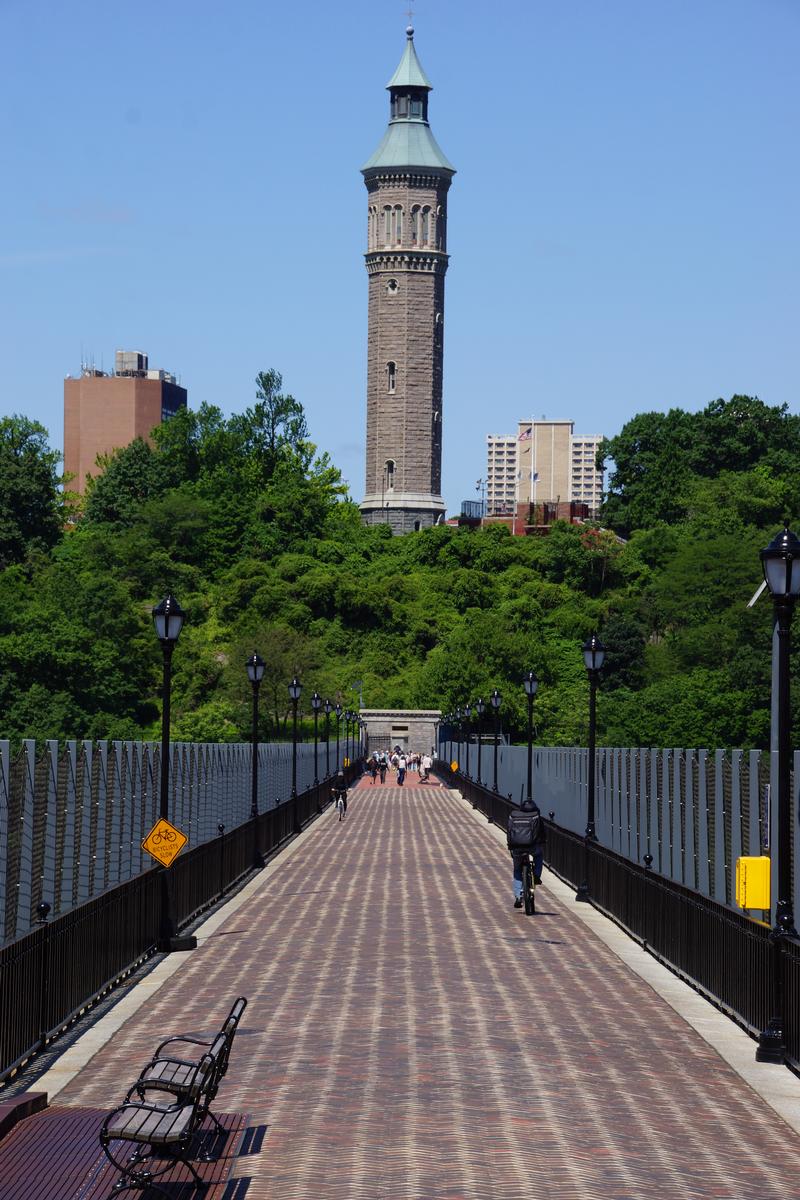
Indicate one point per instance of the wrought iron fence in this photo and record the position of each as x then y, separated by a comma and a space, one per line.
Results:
723, 953
61, 966
73, 816
694, 811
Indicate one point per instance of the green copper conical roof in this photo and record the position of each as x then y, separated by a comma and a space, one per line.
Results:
409, 72
408, 142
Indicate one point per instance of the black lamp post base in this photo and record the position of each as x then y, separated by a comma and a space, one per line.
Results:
772, 1043
582, 894
178, 942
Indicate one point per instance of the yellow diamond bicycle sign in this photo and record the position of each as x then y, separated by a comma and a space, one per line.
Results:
164, 842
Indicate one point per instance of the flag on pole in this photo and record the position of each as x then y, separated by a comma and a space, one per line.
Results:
525, 435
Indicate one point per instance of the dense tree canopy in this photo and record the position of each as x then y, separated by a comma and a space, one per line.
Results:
31, 512
251, 529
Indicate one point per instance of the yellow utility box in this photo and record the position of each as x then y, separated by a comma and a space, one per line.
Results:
752, 882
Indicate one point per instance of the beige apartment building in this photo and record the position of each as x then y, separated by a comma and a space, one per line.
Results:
544, 462
104, 412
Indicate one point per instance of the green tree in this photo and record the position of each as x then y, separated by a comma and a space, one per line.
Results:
31, 506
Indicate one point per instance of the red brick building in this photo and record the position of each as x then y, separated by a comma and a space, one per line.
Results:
106, 412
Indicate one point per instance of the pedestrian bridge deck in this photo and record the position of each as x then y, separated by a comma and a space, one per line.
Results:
410, 1034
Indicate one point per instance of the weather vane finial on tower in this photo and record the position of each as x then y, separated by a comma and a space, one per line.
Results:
410, 26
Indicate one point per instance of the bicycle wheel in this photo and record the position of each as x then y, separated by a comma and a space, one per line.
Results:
527, 887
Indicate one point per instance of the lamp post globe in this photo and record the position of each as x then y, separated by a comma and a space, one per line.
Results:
531, 684
496, 700
594, 655
780, 561
255, 667
168, 618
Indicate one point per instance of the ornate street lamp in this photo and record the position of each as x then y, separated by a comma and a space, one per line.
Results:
594, 655
480, 709
348, 729
531, 684
338, 711
316, 705
780, 561
496, 700
168, 617
457, 722
295, 688
467, 715
255, 673
328, 708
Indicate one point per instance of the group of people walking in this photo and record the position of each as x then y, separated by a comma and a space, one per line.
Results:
381, 761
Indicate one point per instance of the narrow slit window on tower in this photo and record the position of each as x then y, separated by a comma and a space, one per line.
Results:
390, 465
391, 376
387, 225
426, 222
415, 223
416, 108
398, 223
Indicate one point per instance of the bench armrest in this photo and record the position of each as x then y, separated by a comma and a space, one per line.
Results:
189, 1041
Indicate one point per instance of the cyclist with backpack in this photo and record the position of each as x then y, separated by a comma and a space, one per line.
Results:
525, 835
339, 792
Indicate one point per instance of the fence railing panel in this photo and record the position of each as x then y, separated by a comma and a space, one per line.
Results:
725, 954
73, 817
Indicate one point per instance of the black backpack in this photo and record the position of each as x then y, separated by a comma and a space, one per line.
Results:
524, 829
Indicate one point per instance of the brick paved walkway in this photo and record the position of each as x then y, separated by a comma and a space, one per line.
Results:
410, 1035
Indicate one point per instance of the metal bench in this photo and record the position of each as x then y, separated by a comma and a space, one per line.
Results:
163, 1134
177, 1076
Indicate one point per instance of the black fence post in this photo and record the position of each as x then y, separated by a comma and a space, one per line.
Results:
43, 912
221, 832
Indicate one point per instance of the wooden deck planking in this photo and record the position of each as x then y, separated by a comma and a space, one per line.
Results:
56, 1155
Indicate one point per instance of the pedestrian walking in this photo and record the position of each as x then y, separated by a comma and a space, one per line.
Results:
401, 769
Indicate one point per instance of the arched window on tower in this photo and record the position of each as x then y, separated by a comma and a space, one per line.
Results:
391, 377
425, 227
389, 468
397, 232
387, 225
440, 227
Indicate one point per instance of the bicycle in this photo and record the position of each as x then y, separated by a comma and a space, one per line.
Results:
528, 884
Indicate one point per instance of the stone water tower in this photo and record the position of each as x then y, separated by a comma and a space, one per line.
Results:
407, 180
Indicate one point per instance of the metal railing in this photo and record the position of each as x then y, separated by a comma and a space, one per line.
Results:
62, 966
721, 952
695, 812
73, 816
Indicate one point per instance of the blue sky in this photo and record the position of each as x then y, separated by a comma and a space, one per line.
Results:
183, 178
